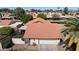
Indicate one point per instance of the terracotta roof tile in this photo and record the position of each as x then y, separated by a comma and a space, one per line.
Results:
40, 28
5, 22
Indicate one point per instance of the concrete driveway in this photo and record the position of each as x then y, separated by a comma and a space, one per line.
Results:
42, 47
49, 47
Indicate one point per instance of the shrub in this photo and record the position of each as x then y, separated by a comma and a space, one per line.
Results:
42, 16
6, 31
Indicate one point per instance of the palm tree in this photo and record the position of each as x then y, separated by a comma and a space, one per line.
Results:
58, 8
72, 30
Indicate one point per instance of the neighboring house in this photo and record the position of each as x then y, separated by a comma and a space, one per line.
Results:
6, 15
40, 31
34, 14
16, 25
77, 15
5, 23
67, 16
10, 23
49, 15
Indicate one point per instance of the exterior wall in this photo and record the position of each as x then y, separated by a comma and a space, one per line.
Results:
48, 42
44, 41
33, 40
17, 41
1, 46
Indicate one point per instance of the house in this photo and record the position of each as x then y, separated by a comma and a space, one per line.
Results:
67, 16
4, 23
34, 14
77, 15
7, 15
16, 24
49, 15
40, 31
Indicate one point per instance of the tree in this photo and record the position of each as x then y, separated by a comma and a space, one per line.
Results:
73, 30
19, 12
6, 10
26, 17
77, 10
6, 31
51, 10
66, 10
0, 16
41, 15
21, 15
58, 8
33, 10
39, 10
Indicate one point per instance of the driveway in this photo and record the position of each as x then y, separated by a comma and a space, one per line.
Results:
42, 47
49, 47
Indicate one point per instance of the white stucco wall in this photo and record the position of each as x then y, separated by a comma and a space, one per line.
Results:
17, 41
32, 40
1, 46
48, 42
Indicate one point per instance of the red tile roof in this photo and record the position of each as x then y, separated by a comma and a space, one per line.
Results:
5, 22
40, 28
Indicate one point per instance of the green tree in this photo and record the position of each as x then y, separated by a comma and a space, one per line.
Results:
18, 12
5, 10
51, 10
39, 10
58, 8
72, 30
33, 10
41, 15
26, 17
6, 31
0, 16
66, 10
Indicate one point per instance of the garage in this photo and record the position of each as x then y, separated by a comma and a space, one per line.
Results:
44, 41
48, 41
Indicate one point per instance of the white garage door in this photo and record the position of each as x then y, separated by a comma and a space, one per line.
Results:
44, 41
48, 42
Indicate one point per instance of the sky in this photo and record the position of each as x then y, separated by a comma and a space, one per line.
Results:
42, 8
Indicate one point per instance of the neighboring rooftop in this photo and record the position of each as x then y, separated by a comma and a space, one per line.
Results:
5, 22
